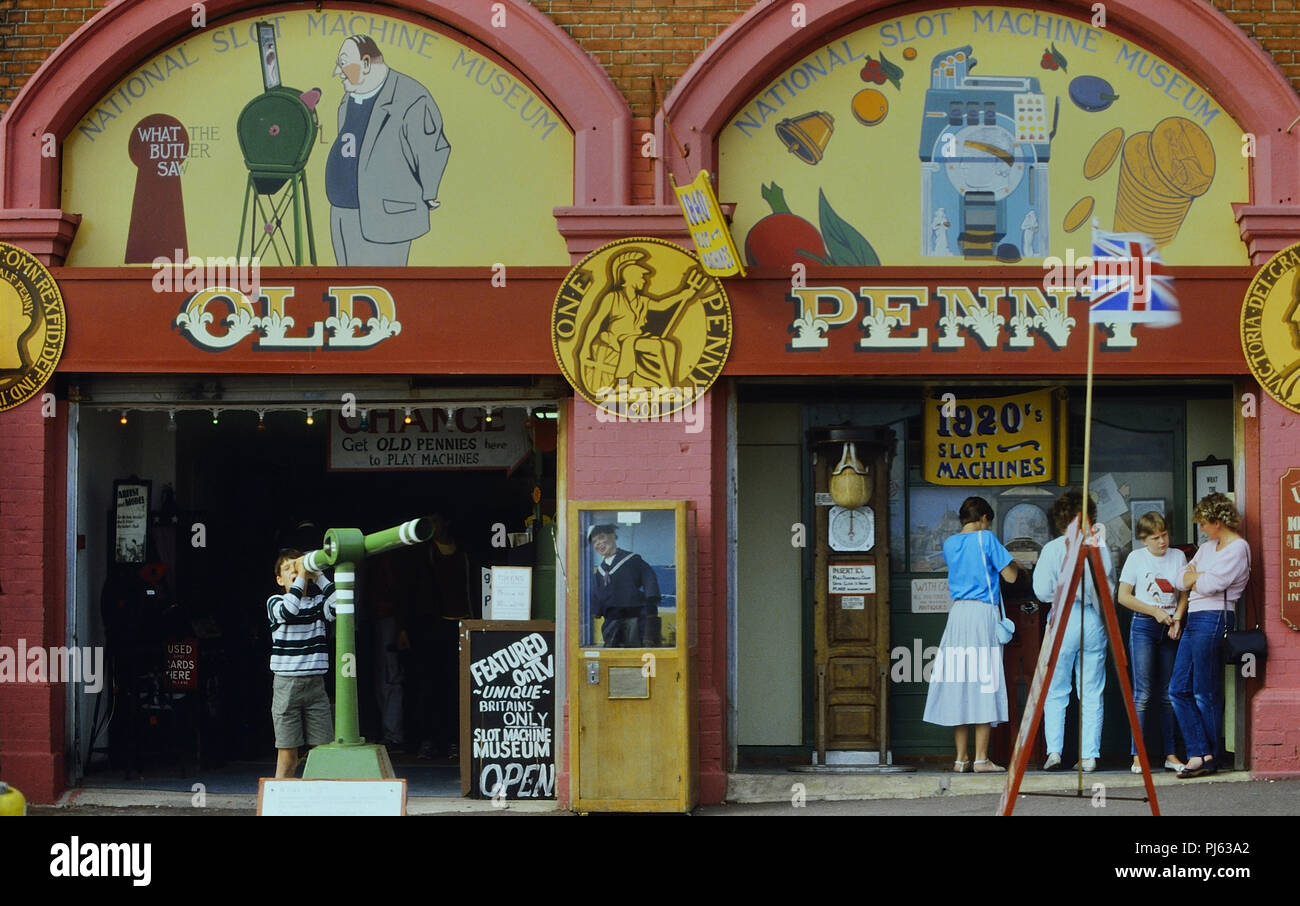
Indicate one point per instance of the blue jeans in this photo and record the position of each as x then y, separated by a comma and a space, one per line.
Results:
1152, 653
1066, 675
1196, 687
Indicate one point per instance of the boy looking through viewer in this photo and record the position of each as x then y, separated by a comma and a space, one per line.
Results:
300, 709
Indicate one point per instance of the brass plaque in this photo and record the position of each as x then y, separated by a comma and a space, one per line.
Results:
628, 682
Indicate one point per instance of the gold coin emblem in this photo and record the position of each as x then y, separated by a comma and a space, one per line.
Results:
1078, 215
1270, 327
33, 324
1183, 153
640, 330
1103, 153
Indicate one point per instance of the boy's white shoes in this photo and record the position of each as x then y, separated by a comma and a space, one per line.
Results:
1089, 765
1053, 761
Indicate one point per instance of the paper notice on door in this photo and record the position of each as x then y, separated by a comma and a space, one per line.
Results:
853, 602
852, 578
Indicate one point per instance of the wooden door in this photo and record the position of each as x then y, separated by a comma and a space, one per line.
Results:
851, 628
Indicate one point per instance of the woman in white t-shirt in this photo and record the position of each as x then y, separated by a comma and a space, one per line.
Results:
1148, 586
1216, 578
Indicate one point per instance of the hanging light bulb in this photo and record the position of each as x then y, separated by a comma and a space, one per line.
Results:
216, 416
487, 414
310, 419
451, 413
365, 419
261, 419
407, 420
122, 420
171, 419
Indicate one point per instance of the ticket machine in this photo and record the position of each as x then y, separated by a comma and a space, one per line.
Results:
631, 635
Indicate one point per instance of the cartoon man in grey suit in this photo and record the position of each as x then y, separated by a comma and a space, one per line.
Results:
384, 168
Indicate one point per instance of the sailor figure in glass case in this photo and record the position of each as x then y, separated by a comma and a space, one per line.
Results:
625, 591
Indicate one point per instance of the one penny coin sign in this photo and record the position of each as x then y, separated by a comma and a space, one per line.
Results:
640, 330
33, 324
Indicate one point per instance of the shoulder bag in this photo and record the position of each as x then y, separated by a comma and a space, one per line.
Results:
1238, 643
1005, 628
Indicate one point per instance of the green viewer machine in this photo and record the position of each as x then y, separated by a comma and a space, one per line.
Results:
348, 757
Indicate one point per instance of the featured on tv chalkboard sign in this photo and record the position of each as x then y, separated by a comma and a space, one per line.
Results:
508, 709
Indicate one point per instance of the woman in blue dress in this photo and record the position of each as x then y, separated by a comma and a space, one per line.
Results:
967, 686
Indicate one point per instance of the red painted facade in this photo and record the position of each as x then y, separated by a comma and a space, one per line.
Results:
599, 457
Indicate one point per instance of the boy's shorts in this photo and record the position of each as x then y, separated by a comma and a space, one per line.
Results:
300, 710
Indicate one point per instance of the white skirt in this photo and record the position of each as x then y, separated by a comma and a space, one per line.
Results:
967, 683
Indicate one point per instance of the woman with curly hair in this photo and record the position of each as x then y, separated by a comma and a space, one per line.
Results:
1215, 578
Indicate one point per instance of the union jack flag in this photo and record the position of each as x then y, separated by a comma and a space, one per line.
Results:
1129, 281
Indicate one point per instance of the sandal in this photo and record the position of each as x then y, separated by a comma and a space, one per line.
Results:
991, 769
961, 767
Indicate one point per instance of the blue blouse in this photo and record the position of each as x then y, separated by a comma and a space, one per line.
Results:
973, 573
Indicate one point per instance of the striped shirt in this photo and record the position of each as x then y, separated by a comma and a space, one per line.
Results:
298, 643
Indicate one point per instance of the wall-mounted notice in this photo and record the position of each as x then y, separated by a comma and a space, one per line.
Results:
852, 578
930, 596
512, 593
508, 710
1290, 500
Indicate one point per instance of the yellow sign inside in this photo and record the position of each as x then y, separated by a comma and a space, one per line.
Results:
640, 330
1270, 327
713, 242
33, 324
991, 441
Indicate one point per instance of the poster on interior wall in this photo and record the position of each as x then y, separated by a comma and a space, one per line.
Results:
994, 440
130, 521
433, 441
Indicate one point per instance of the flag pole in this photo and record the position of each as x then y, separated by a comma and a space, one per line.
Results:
1083, 512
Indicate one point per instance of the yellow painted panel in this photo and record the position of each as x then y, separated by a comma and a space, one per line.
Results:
926, 139
511, 158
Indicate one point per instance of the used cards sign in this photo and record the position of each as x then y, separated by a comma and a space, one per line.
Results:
995, 440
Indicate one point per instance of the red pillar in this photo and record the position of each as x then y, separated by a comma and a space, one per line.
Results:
33, 486
1275, 709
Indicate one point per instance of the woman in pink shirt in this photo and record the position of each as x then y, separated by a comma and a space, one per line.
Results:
1215, 578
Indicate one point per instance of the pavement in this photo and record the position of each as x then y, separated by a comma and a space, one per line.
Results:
1105, 793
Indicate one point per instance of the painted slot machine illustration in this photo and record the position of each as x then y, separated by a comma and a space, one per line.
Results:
985, 147
277, 130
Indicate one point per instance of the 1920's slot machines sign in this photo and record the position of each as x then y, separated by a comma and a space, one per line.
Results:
994, 440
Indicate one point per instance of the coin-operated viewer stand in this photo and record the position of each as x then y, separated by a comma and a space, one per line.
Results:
632, 710
348, 756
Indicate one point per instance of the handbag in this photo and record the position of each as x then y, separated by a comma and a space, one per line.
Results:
1238, 643
1005, 628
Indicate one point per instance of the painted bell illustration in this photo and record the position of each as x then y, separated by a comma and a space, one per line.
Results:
849, 485
806, 136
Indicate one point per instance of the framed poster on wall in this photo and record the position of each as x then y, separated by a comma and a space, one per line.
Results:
1210, 476
131, 520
